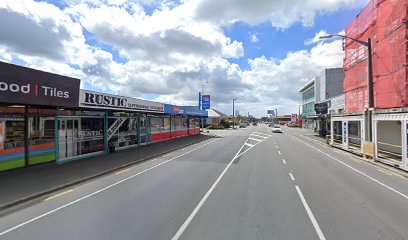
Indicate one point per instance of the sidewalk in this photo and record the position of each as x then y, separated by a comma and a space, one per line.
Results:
312, 135
22, 185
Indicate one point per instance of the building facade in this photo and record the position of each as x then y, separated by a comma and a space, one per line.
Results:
45, 117
308, 115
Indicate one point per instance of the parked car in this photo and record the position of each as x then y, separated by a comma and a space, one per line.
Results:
242, 126
254, 124
276, 128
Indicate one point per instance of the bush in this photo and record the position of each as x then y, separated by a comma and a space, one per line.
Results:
216, 127
225, 124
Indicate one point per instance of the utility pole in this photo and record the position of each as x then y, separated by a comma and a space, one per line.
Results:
370, 91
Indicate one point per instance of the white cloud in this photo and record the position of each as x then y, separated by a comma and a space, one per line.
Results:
169, 53
281, 13
254, 38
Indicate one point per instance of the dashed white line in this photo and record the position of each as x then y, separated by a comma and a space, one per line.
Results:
276, 146
279, 152
291, 176
284, 161
310, 213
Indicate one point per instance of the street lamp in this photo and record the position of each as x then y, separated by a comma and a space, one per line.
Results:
233, 112
233, 109
370, 76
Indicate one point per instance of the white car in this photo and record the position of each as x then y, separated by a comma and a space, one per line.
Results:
276, 129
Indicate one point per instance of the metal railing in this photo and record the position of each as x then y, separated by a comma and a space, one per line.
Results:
339, 139
355, 144
387, 154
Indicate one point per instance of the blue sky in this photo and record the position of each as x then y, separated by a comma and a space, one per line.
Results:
276, 43
166, 50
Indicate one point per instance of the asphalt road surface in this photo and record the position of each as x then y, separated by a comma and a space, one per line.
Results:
244, 184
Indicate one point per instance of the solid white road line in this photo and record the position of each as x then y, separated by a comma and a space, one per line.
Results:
291, 176
207, 194
310, 213
100, 190
354, 169
262, 134
284, 161
255, 135
255, 139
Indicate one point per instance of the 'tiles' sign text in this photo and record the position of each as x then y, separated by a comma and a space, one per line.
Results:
32, 87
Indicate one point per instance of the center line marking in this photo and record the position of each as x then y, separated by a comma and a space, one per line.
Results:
310, 213
283, 160
291, 176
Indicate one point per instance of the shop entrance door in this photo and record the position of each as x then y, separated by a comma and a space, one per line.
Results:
68, 129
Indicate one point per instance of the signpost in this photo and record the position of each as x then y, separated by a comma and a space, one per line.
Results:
321, 108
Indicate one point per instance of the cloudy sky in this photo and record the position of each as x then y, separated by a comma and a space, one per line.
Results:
260, 51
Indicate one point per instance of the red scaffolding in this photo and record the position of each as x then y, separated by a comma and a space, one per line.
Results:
385, 22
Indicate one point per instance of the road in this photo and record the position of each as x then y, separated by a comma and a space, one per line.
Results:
243, 184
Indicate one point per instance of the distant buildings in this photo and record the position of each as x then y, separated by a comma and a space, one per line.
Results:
323, 91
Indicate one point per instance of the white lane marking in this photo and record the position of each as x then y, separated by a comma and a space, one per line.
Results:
284, 161
262, 134
356, 170
291, 176
310, 213
207, 194
276, 146
258, 135
279, 152
100, 190
248, 144
255, 139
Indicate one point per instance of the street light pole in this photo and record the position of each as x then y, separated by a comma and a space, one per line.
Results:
370, 82
233, 113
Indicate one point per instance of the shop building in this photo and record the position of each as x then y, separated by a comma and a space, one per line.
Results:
45, 117
308, 116
379, 131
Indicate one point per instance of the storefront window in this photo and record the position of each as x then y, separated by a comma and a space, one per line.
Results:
11, 142
41, 139
80, 135
156, 123
142, 130
122, 131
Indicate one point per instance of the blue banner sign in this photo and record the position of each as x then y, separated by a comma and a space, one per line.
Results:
205, 102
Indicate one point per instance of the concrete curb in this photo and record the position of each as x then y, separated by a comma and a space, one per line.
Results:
86, 179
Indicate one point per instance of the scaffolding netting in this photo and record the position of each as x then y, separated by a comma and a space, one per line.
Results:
385, 22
